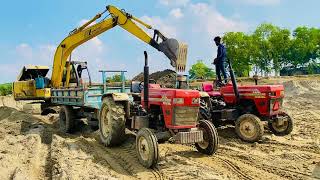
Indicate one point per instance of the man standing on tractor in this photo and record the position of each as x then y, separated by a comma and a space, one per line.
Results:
220, 60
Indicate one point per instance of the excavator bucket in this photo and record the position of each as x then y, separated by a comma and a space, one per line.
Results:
170, 48
176, 52
182, 57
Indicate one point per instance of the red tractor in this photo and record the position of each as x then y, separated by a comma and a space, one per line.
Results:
156, 115
246, 107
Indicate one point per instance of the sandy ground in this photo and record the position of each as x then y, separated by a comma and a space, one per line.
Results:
32, 148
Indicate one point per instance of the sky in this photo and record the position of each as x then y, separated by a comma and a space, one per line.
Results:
31, 30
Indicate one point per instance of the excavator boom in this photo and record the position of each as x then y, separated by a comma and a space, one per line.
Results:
170, 47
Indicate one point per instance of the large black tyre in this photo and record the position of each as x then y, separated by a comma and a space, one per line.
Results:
204, 113
66, 119
112, 122
249, 128
147, 148
210, 137
283, 130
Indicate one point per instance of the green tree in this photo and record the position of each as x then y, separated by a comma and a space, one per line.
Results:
238, 50
200, 70
270, 47
280, 42
305, 46
313, 67
114, 78
262, 56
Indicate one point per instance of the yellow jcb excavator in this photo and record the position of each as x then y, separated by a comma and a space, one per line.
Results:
32, 84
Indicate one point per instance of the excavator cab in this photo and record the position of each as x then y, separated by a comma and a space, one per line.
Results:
77, 74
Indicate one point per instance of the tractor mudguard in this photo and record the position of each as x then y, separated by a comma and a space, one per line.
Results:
120, 97
117, 96
203, 94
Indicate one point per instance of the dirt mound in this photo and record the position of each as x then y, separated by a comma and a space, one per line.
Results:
22, 152
21, 157
15, 122
166, 78
10, 102
293, 87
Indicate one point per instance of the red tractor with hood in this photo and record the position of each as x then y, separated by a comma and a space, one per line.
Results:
246, 107
160, 114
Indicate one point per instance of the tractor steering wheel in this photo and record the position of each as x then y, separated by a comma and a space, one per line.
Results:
141, 84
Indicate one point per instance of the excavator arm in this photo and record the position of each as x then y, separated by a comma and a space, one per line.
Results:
170, 47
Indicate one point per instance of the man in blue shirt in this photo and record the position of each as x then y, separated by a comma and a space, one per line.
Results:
220, 61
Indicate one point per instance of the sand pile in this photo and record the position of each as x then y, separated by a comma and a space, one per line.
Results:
31, 107
10, 102
293, 87
22, 153
166, 78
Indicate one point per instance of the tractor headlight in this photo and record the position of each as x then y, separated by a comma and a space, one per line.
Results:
281, 93
178, 101
195, 100
272, 93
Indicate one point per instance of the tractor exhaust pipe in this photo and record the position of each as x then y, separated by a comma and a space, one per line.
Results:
146, 82
234, 82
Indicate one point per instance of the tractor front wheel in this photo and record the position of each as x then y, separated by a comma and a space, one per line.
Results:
210, 142
147, 148
112, 122
284, 128
249, 128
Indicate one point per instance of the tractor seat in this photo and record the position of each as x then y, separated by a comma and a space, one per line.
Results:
208, 87
214, 93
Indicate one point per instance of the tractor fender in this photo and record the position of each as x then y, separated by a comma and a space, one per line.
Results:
122, 98
117, 96
203, 94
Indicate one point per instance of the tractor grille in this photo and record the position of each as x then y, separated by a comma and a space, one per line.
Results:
185, 115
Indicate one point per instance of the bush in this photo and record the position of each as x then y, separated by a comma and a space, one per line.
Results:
5, 89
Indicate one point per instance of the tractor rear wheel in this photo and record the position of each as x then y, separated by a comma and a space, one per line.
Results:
147, 148
285, 128
249, 128
112, 122
66, 119
210, 138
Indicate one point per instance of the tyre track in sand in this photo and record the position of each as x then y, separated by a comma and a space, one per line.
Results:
235, 168
126, 155
123, 159
177, 162
169, 168
262, 164
229, 167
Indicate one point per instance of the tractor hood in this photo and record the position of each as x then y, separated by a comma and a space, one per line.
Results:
253, 88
